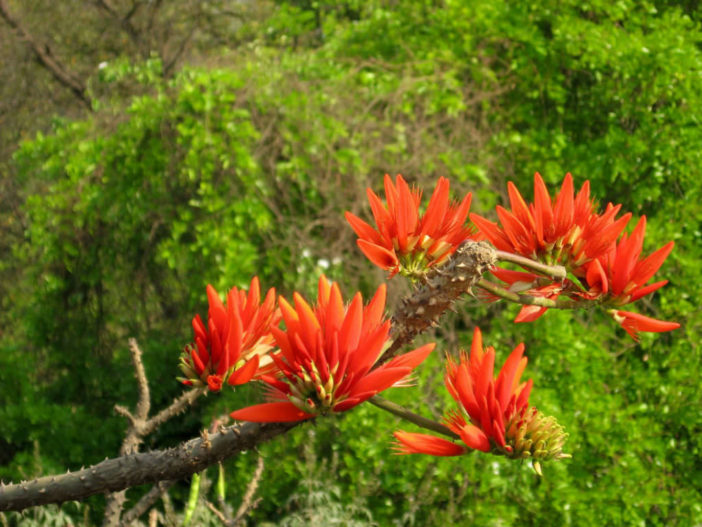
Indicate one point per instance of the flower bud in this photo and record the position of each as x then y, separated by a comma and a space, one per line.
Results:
531, 434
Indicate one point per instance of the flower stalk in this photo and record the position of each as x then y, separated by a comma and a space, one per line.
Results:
556, 272
404, 413
529, 300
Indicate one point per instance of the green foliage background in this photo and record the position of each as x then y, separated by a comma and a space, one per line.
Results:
244, 164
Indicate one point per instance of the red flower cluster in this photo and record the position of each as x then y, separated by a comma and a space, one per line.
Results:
327, 359
493, 415
567, 230
403, 241
235, 345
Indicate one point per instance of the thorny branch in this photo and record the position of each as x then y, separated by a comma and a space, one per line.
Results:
248, 503
442, 287
131, 470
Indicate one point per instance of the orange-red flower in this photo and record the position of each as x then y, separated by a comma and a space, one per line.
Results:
564, 230
403, 241
633, 323
493, 414
327, 357
235, 344
620, 276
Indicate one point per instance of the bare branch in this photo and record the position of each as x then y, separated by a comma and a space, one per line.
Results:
124, 21
176, 407
120, 473
247, 503
45, 57
170, 64
419, 311
220, 515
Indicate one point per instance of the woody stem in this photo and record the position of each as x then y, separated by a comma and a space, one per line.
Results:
527, 300
557, 272
405, 414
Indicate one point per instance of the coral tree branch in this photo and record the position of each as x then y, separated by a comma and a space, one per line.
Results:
127, 471
139, 426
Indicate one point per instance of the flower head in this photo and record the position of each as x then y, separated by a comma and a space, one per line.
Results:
619, 276
564, 230
493, 414
235, 344
328, 354
403, 241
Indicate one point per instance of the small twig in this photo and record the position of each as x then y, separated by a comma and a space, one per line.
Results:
248, 503
177, 406
154, 518
124, 412
145, 503
220, 515
169, 64
144, 402
557, 272
405, 414
124, 22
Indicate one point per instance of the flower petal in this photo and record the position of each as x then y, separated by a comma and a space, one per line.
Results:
412, 443
283, 412
245, 373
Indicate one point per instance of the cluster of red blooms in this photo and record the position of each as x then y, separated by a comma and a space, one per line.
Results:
326, 360
607, 266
